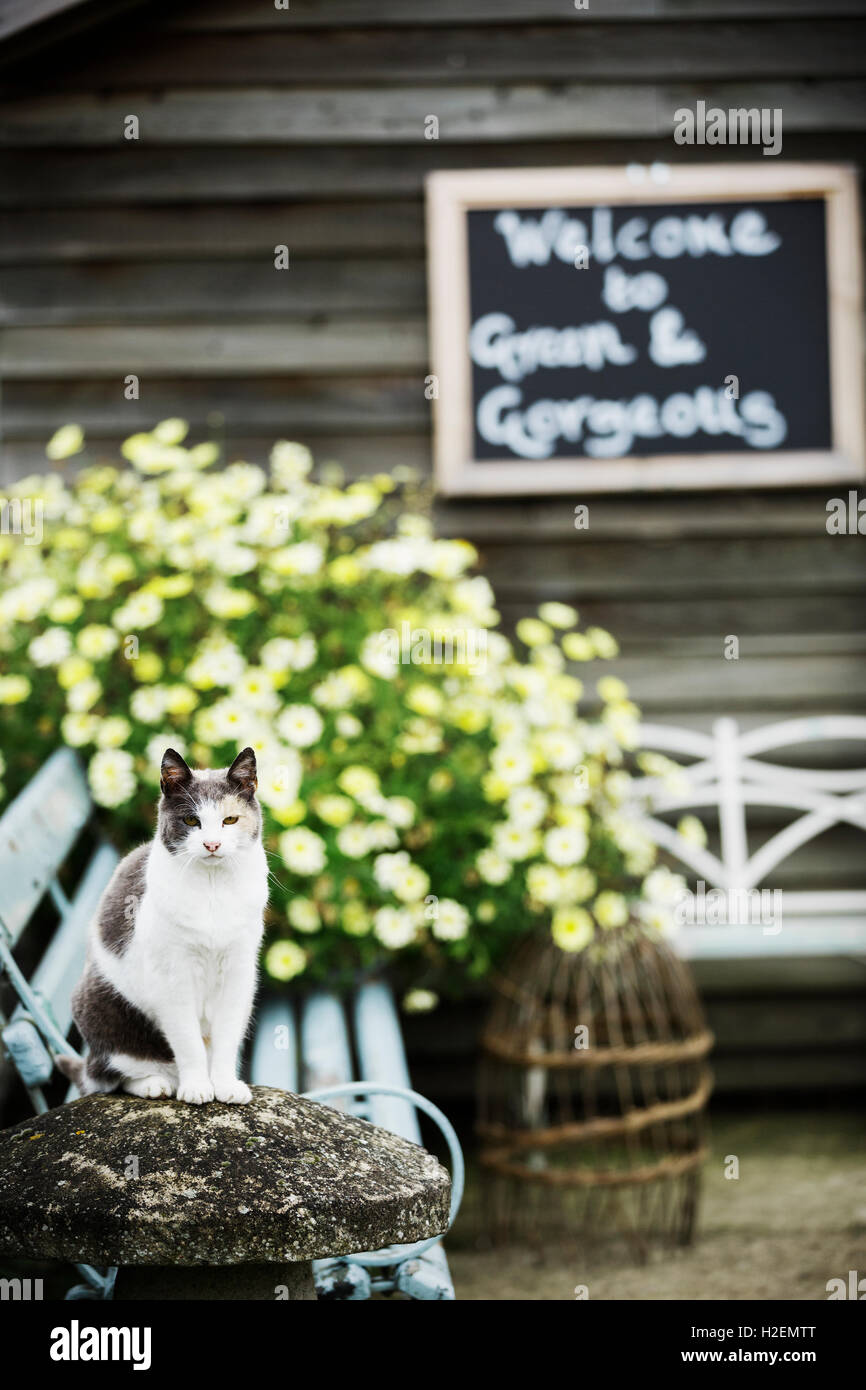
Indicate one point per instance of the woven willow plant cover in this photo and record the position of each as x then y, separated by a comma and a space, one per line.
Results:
592, 1093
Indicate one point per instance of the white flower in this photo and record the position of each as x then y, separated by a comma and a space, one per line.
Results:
78, 729
348, 726
354, 840
280, 779
565, 844
451, 922
558, 614
560, 748
394, 926
83, 695
512, 762
663, 887
381, 835
303, 558
410, 883
399, 810
216, 663
111, 776
386, 868
290, 462
140, 610
526, 806
419, 1001
334, 692
276, 655
304, 915
658, 917
513, 842
50, 647
96, 641
303, 850
543, 883
157, 745
378, 656
113, 732
304, 652
255, 688
494, 868
300, 725
147, 705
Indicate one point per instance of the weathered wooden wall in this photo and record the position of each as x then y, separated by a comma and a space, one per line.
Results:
306, 127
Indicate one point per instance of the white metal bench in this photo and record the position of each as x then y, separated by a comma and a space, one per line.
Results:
731, 773
310, 1046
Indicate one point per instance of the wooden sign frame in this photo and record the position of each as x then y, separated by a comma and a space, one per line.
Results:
450, 196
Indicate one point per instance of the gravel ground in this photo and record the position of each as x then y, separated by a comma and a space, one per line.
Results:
795, 1218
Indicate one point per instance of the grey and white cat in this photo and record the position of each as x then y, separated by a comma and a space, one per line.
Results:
168, 988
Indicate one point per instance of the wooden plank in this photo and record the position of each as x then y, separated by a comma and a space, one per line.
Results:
748, 514
36, 833
16, 15
358, 454
182, 292
700, 568
261, 14
258, 405
326, 1053
773, 976
373, 345
60, 968
796, 1072
60, 178
795, 1022
671, 685
567, 51
475, 113
639, 625
382, 1058
274, 1054
212, 231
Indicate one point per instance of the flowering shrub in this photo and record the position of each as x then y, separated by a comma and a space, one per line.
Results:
430, 789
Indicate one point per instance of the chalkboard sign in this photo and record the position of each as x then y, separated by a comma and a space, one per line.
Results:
604, 329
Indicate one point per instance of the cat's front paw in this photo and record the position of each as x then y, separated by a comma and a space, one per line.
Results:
232, 1092
195, 1092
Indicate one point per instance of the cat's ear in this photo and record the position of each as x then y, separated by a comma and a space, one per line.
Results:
242, 773
174, 775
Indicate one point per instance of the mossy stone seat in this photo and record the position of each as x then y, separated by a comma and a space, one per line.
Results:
217, 1201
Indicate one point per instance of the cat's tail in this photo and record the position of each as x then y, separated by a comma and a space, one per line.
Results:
88, 1080
75, 1070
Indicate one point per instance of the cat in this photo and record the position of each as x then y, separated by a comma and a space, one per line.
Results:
168, 987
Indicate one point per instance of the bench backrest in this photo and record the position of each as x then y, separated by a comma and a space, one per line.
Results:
728, 773
37, 833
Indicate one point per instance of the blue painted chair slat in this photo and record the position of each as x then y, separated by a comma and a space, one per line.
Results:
326, 1052
36, 834
274, 1055
58, 972
382, 1058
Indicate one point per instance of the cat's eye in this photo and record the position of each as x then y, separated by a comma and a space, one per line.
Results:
230, 820
191, 820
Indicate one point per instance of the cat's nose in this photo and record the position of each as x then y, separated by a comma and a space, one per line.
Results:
212, 845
